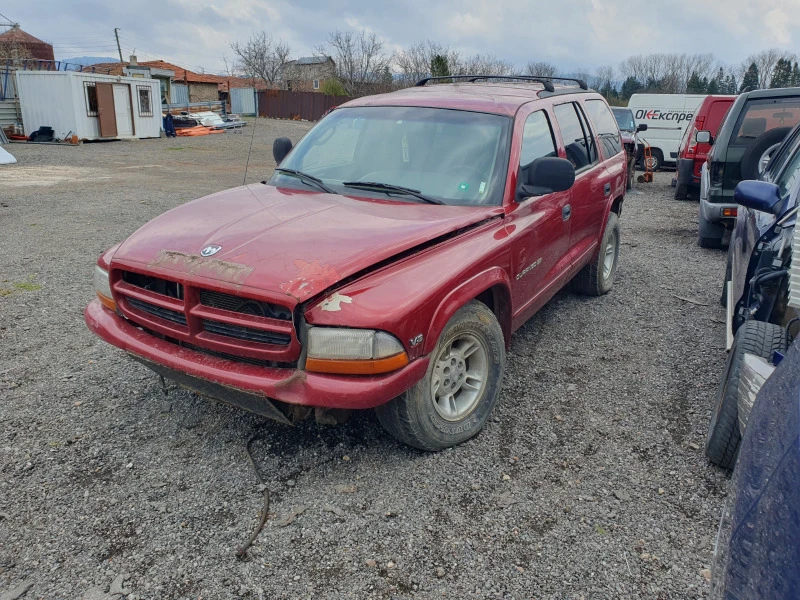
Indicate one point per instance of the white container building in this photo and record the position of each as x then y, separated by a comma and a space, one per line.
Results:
89, 105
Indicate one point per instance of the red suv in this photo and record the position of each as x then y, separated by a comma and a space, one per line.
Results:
691, 154
386, 262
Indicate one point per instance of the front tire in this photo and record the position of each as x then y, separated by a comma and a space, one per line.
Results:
656, 160
452, 402
597, 278
754, 337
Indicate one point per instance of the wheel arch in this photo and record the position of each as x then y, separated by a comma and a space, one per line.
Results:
492, 287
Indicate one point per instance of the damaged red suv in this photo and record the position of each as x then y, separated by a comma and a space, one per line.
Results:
386, 262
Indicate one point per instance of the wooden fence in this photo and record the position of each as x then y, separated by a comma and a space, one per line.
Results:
306, 106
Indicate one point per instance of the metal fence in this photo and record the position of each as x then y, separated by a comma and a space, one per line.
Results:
243, 101
180, 93
305, 106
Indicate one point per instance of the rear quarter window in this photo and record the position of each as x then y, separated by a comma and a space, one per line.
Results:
760, 116
605, 125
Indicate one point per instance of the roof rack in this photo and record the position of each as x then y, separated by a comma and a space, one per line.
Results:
548, 86
581, 83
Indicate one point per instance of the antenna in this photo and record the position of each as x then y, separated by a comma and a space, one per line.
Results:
252, 137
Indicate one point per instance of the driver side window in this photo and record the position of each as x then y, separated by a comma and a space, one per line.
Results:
537, 140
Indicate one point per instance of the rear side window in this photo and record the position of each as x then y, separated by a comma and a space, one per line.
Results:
605, 125
537, 139
578, 141
760, 116
790, 173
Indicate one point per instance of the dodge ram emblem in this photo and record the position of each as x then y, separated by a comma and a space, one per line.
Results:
210, 250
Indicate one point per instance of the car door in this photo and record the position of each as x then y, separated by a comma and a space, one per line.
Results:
541, 224
592, 182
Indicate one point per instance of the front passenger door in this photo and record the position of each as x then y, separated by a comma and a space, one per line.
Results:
542, 229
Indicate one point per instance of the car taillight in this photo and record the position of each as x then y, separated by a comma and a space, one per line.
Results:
716, 173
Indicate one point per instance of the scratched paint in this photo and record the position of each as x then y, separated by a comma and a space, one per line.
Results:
334, 303
311, 279
202, 267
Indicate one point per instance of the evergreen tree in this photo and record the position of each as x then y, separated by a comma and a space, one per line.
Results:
439, 66
796, 75
781, 74
695, 85
629, 87
712, 87
730, 85
750, 79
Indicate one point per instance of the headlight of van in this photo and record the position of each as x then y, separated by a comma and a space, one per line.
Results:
353, 351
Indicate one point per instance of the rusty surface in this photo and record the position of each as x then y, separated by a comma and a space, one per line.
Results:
307, 106
197, 265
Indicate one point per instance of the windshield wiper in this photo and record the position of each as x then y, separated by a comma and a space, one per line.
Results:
306, 178
389, 188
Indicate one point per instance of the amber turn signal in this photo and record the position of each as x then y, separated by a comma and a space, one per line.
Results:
729, 212
357, 367
107, 302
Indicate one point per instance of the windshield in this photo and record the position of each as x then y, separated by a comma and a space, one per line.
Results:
456, 157
624, 118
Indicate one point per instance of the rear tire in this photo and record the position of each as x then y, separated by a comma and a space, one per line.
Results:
631, 174
681, 192
754, 337
452, 402
751, 159
656, 160
710, 242
597, 278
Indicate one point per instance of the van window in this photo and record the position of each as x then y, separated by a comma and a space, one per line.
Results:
578, 145
760, 116
605, 125
537, 139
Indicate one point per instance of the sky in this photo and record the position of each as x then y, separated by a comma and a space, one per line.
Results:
575, 35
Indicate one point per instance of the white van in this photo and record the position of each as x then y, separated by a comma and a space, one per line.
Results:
667, 116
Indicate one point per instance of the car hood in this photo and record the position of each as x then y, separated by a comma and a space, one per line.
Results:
288, 241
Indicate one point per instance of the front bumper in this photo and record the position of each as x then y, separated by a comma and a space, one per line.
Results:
245, 385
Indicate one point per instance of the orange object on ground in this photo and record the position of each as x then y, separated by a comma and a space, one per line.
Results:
198, 130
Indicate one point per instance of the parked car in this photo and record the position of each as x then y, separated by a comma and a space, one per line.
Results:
386, 262
756, 554
754, 127
757, 289
691, 155
628, 130
666, 117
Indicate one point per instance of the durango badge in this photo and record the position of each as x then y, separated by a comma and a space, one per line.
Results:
210, 250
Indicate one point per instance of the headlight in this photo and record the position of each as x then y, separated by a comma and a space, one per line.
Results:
353, 351
103, 288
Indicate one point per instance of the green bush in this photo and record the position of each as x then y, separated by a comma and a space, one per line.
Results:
333, 87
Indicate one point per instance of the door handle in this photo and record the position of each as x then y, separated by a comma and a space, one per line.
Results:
607, 189
566, 212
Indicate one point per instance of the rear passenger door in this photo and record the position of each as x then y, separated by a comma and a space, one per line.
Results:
592, 182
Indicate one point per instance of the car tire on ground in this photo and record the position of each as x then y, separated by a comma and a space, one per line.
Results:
597, 278
681, 191
710, 242
754, 337
631, 174
753, 154
454, 399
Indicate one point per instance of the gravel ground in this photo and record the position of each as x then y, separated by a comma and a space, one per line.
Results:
589, 483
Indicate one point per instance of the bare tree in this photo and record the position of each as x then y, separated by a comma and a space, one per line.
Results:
261, 57
14, 52
361, 63
483, 64
414, 63
545, 69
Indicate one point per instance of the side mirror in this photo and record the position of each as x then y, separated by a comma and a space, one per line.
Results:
545, 175
641, 127
280, 148
704, 137
758, 195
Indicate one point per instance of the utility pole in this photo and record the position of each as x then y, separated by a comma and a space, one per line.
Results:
116, 35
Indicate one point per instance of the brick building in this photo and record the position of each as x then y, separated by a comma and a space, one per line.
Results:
21, 45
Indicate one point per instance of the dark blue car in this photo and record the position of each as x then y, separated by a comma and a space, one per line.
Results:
756, 286
757, 554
